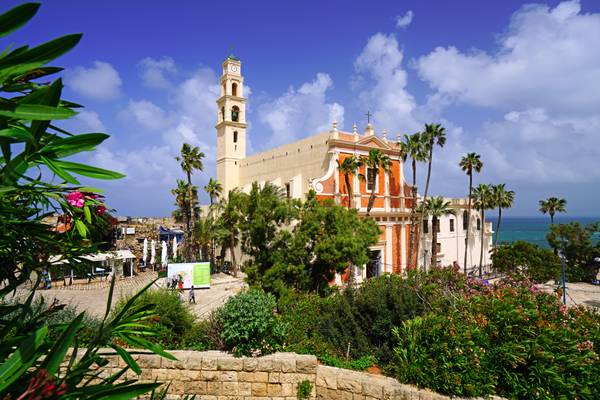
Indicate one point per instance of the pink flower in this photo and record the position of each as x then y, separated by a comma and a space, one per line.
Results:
76, 199
100, 210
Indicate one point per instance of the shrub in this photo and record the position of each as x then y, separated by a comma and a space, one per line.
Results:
536, 263
249, 324
508, 339
174, 319
304, 389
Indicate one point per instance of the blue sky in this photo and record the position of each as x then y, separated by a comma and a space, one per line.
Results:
518, 83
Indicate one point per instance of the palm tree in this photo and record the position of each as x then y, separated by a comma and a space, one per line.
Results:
214, 189
375, 160
349, 167
552, 205
436, 207
413, 147
502, 199
470, 163
483, 197
190, 159
230, 218
181, 193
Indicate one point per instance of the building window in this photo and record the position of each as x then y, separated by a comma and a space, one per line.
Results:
288, 190
452, 225
223, 113
478, 224
235, 136
234, 89
425, 226
235, 113
465, 220
372, 179
438, 248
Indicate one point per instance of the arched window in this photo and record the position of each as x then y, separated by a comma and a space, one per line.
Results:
478, 224
234, 89
465, 220
235, 136
223, 113
235, 113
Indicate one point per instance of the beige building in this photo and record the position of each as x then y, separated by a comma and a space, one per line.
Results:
312, 163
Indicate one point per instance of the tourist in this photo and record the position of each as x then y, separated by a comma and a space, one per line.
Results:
192, 295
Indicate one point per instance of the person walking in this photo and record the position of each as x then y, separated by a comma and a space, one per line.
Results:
192, 295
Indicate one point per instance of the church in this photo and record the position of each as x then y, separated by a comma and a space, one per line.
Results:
313, 163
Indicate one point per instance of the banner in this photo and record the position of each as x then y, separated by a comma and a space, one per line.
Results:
197, 274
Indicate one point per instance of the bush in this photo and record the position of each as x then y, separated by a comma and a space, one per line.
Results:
354, 322
538, 264
507, 339
249, 325
174, 319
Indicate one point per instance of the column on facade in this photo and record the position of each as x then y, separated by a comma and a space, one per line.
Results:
386, 180
336, 178
402, 247
389, 243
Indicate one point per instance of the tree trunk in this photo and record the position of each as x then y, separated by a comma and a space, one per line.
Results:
482, 226
551, 218
413, 229
425, 193
498, 226
232, 251
191, 220
468, 220
222, 255
434, 248
349, 190
372, 197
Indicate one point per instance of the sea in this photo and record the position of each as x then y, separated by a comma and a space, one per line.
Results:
533, 229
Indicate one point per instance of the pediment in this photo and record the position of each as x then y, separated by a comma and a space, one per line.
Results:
375, 142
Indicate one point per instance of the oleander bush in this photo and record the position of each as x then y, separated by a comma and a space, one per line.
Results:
249, 324
508, 339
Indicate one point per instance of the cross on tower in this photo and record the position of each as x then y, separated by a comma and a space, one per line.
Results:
369, 115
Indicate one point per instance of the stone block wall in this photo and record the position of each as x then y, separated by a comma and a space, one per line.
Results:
214, 375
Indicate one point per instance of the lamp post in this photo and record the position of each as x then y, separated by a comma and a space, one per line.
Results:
564, 280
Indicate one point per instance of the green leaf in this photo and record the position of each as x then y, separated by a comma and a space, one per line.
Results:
87, 170
37, 73
88, 214
13, 19
17, 63
63, 147
57, 354
19, 134
81, 228
59, 171
124, 392
32, 112
127, 358
22, 358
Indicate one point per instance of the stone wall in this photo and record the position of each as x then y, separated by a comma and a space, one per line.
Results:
214, 375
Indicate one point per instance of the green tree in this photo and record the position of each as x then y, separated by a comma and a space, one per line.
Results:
36, 180
375, 161
349, 167
483, 199
524, 258
502, 199
413, 147
553, 205
214, 189
190, 159
470, 163
436, 207
575, 241
231, 218
182, 202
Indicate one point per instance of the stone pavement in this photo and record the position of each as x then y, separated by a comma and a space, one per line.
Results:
578, 293
92, 297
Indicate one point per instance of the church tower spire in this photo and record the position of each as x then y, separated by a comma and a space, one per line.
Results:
231, 124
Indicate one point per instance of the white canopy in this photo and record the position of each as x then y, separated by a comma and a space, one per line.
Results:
153, 252
174, 247
145, 251
163, 253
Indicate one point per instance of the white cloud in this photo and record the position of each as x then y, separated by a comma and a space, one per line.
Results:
145, 114
301, 112
402, 21
153, 71
546, 59
383, 81
100, 82
88, 121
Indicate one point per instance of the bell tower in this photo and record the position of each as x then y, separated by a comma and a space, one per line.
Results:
231, 125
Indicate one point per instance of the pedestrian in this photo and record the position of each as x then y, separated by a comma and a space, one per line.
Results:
180, 284
192, 295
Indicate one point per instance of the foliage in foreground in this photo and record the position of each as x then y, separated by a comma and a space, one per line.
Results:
507, 339
32, 347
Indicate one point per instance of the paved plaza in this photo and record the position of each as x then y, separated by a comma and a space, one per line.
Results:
91, 297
